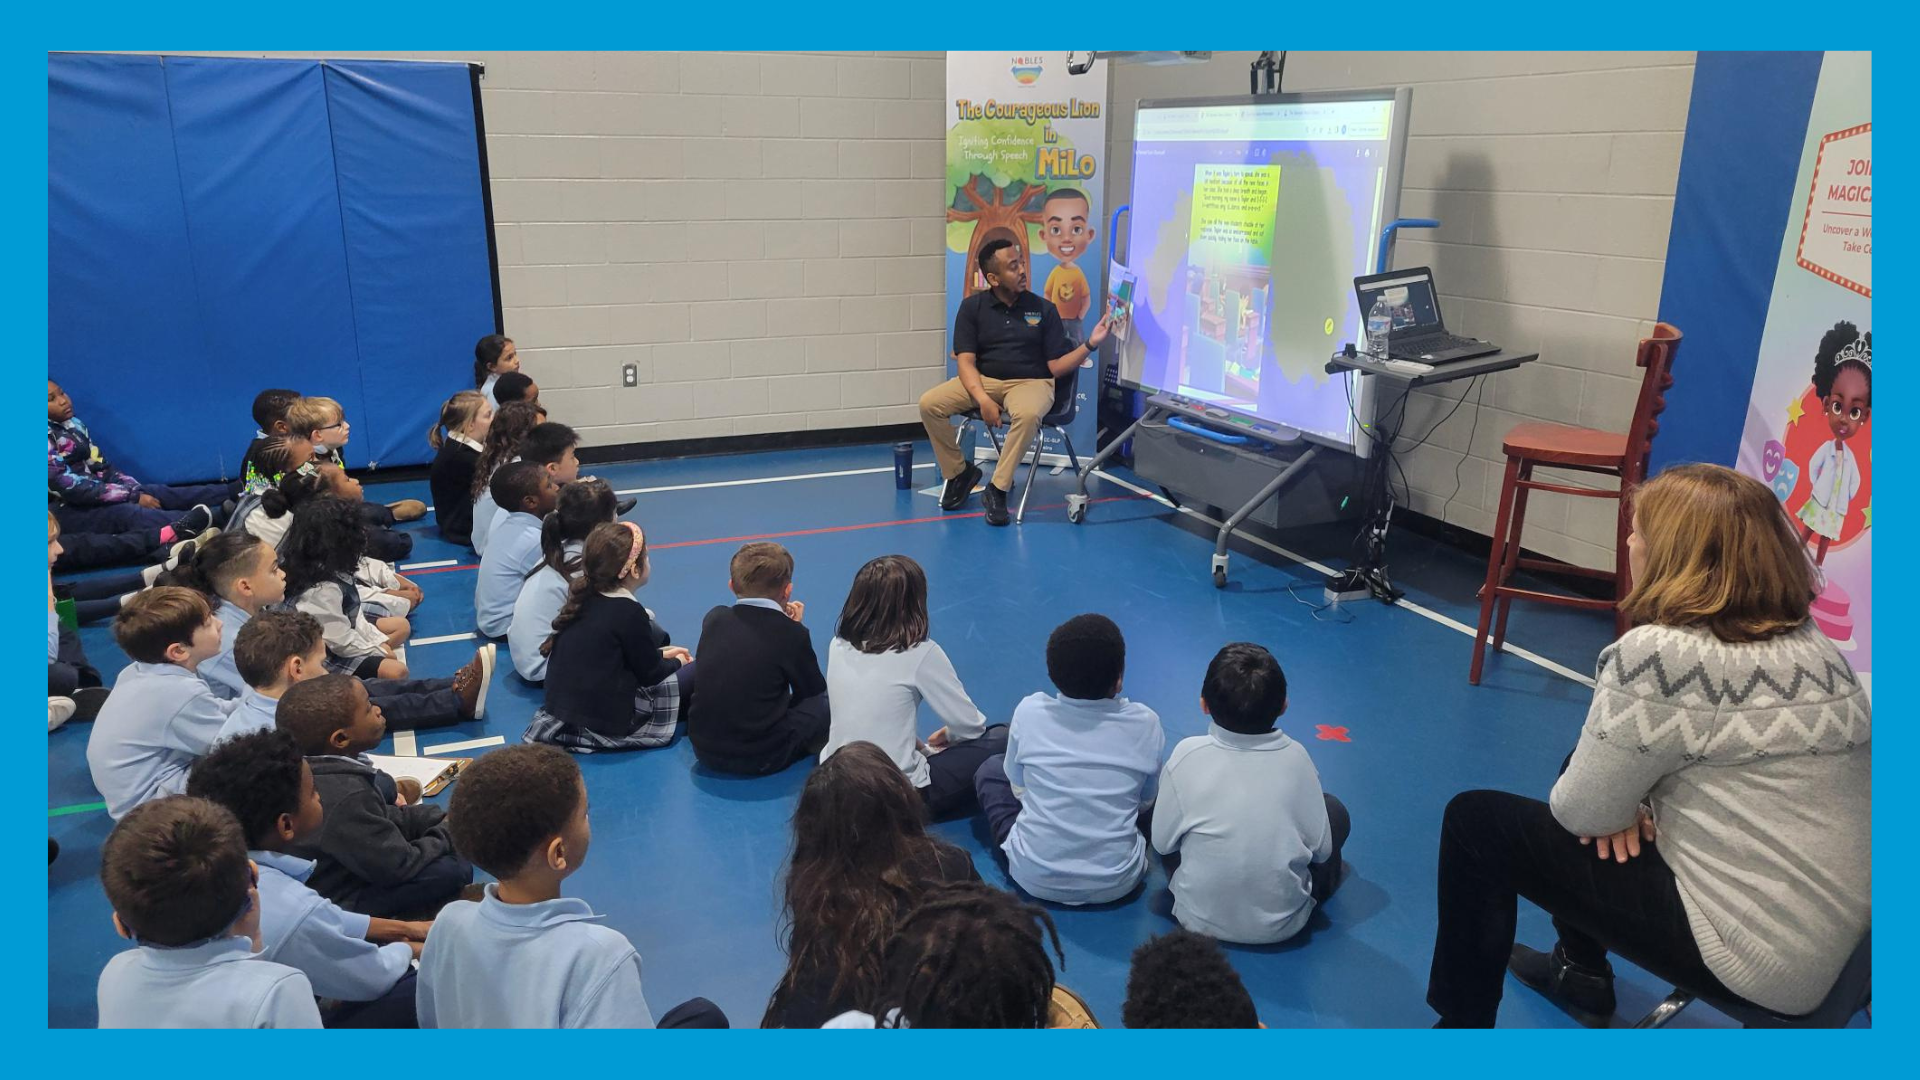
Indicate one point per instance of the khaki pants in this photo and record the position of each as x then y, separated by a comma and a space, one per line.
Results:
1024, 401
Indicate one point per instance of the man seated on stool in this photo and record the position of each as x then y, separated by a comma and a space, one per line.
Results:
1011, 346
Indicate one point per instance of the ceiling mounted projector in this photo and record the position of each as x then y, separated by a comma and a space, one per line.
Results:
1080, 63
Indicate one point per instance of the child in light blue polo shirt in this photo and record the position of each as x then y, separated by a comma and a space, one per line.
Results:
182, 889
1065, 800
160, 716
364, 966
241, 574
526, 956
526, 495
1257, 842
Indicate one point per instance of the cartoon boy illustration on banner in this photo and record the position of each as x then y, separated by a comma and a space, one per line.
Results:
1064, 229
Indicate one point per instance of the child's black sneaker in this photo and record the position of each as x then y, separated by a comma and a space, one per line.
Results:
193, 522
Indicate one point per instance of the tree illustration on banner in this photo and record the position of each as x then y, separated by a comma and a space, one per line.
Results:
992, 193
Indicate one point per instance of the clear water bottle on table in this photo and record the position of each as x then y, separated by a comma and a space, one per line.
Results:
1379, 326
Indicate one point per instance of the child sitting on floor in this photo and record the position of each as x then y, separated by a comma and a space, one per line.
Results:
160, 716
515, 386
90, 495
240, 576
583, 504
269, 418
457, 441
363, 966
1258, 841
548, 444
970, 956
614, 680
526, 494
768, 707
372, 855
381, 586
862, 857
1183, 980
276, 649
177, 874
511, 425
324, 422
882, 665
493, 356
526, 956
1080, 766
320, 555
281, 476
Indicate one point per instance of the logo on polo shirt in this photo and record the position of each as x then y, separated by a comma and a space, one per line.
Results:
1033, 318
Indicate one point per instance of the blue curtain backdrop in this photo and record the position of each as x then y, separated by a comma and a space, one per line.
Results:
219, 226
1746, 127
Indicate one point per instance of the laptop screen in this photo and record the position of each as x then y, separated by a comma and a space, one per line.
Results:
1415, 314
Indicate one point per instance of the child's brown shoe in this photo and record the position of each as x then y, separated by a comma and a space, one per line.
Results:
472, 681
408, 510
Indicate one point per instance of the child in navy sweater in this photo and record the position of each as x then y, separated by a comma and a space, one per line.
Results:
614, 680
374, 854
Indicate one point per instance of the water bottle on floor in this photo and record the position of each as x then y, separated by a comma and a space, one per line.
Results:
1379, 326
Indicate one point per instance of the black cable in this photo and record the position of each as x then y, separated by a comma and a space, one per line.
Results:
1468, 452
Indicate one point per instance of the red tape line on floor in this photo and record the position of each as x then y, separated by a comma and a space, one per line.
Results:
815, 532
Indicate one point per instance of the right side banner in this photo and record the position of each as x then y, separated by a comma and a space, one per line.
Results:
1809, 426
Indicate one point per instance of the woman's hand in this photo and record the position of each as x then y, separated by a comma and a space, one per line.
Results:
1624, 844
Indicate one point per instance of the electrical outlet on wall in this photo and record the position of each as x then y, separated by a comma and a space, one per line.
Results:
630, 375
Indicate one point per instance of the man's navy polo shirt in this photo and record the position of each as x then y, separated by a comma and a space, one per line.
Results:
1010, 341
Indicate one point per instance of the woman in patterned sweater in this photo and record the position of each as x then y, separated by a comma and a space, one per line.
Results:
1712, 824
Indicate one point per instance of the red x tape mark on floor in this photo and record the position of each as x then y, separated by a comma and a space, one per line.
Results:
1328, 732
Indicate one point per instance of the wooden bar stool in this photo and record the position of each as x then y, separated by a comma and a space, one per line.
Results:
1622, 455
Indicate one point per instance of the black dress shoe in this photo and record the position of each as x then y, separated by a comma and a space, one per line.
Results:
625, 506
954, 496
995, 501
87, 701
1584, 993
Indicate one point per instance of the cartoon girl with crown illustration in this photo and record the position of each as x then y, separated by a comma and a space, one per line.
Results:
1843, 383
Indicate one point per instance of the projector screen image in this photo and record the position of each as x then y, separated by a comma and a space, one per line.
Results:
1250, 219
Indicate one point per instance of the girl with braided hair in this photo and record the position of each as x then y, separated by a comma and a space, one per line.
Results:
614, 681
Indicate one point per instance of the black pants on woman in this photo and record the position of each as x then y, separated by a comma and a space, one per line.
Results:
1495, 848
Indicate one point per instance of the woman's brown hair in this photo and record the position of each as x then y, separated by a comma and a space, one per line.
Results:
857, 825
886, 609
1719, 553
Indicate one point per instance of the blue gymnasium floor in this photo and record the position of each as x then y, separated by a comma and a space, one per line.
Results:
686, 863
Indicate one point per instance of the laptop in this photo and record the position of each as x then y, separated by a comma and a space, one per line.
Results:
1419, 333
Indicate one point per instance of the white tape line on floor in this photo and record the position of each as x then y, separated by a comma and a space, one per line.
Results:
428, 565
417, 642
1320, 568
405, 744
470, 744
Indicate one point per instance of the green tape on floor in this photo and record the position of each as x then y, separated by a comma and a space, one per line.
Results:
76, 808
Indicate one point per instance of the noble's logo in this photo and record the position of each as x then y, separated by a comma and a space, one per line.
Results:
1026, 69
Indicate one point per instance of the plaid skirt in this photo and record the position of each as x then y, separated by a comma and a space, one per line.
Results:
656, 712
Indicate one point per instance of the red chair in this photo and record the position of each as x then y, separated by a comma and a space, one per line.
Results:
1582, 450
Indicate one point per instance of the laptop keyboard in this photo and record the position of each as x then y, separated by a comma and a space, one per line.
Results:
1434, 343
